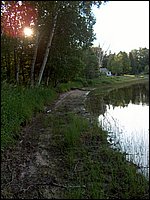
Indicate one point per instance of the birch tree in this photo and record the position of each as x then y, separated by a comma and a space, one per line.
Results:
63, 28
79, 14
48, 48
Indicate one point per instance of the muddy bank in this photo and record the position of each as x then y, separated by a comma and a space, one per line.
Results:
34, 167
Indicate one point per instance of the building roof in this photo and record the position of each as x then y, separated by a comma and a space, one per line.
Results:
104, 70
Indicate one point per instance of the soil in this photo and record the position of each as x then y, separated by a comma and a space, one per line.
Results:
33, 168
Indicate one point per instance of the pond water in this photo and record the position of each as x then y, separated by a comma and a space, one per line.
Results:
124, 113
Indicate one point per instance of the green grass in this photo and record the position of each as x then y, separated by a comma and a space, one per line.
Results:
78, 83
73, 130
18, 106
104, 81
92, 169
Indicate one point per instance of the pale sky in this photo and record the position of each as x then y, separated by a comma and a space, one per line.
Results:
124, 25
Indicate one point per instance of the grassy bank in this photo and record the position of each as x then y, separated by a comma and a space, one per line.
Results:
102, 82
19, 104
91, 169
113, 81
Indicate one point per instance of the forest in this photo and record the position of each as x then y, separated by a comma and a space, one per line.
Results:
60, 47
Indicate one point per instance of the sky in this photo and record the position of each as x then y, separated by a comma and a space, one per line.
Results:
122, 25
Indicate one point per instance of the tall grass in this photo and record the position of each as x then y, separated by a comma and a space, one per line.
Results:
92, 169
18, 105
74, 129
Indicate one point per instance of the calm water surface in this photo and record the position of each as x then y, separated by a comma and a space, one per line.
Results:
124, 113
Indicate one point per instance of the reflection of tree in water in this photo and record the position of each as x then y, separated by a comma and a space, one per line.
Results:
136, 94
140, 94
118, 98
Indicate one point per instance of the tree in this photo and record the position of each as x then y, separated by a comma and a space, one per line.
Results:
91, 69
111, 64
119, 64
15, 16
146, 69
78, 28
48, 48
65, 30
117, 67
133, 63
124, 62
141, 59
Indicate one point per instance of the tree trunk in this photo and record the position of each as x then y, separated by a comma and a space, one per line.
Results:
34, 59
22, 69
48, 77
16, 66
47, 49
7, 58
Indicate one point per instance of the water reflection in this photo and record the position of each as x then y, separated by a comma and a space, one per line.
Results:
124, 113
136, 94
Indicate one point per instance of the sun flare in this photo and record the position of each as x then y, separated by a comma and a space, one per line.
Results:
28, 31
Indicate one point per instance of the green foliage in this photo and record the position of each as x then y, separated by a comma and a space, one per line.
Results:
92, 169
64, 65
124, 62
119, 64
146, 69
78, 83
91, 64
73, 130
140, 59
108, 81
70, 55
134, 63
18, 106
73, 33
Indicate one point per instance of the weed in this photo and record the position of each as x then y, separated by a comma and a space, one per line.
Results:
18, 106
93, 169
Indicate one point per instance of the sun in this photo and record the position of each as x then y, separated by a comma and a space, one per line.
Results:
28, 31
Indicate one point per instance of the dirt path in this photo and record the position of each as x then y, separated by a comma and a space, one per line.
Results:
34, 168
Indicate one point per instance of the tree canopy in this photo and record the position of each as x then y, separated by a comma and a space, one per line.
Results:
136, 62
60, 46
61, 31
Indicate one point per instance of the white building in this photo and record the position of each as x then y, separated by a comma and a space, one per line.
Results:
105, 71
